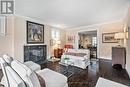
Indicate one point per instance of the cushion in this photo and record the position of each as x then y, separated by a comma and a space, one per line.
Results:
83, 51
108, 83
52, 78
26, 74
72, 50
41, 80
69, 53
4, 79
80, 54
33, 66
13, 78
7, 58
75, 54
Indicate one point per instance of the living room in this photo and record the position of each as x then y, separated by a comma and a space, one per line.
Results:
62, 32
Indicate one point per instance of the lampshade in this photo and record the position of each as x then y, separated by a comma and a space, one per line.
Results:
58, 42
120, 35
127, 35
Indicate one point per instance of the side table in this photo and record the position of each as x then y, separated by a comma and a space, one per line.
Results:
58, 52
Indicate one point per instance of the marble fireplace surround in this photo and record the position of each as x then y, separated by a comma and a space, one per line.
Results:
35, 53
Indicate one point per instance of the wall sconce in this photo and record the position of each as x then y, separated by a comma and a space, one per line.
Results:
58, 42
126, 29
120, 36
126, 34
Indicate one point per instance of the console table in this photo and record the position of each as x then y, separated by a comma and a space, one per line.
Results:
58, 52
119, 56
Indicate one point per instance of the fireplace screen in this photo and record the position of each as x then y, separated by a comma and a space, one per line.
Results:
35, 53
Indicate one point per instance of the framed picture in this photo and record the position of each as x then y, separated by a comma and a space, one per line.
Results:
35, 33
109, 38
52, 42
71, 39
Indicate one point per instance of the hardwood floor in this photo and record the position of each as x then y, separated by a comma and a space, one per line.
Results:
89, 76
1, 74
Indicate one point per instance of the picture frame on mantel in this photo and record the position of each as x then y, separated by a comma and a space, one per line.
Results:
35, 33
109, 38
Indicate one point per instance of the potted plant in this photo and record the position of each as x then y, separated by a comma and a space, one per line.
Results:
66, 59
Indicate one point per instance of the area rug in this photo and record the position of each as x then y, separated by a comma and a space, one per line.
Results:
68, 70
108, 83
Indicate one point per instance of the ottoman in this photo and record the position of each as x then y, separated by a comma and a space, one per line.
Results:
108, 83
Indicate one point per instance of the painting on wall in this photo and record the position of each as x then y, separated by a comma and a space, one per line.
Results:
35, 33
71, 39
109, 38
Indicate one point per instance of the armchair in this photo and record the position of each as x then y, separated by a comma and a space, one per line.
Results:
25, 76
30, 64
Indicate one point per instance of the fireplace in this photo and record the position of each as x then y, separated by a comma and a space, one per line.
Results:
35, 53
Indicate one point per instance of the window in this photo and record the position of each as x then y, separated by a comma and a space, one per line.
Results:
94, 41
55, 34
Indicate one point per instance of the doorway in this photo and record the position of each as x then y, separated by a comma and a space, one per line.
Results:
88, 40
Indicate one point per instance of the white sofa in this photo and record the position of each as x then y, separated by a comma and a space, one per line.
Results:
108, 83
80, 58
19, 75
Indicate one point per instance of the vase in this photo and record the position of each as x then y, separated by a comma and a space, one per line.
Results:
66, 61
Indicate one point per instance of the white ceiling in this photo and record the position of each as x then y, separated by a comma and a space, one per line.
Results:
93, 32
72, 13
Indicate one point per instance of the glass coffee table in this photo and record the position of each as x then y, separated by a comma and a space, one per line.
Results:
67, 72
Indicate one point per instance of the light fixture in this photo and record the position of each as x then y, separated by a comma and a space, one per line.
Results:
120, 36
126, 34
58, 43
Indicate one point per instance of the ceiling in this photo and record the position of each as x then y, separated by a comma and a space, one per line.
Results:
94, 32
72, 13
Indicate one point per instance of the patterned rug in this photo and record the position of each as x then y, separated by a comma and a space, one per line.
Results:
68, 70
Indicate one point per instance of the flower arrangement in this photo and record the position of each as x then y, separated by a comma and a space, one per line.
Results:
66, 58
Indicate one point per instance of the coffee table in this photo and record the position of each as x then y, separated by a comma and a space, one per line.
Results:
66, 71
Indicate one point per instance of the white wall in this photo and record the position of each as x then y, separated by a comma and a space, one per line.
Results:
20, 36
15, 38
104, 49
6, 43
128, 55
127, 20
62, 38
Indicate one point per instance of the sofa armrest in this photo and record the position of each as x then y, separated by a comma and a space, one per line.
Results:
2, 85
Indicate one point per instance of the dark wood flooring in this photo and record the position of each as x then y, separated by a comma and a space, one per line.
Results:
1, 74
89, 76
